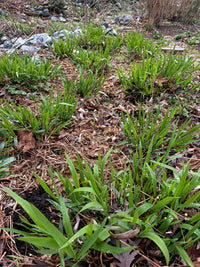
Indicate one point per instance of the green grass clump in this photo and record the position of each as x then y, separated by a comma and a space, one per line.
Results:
52, 115
64, 48
23, 70
92, 37
93, 60
137, 45
145, 131
154, 137
153, 74
87, 85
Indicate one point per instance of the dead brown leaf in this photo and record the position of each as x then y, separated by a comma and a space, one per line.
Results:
120, 108
125, 259
160, 81
25, 140
129, 234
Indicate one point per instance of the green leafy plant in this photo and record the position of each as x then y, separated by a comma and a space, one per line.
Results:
179, 36
145, 131
92, 37
157, 216
153, 74
24, 71
48, 239
113, 44
87, 193
64, 48
54, 26
137, 45
86, 85
52, 115
192, 41
147, 217
157, 35
141, 78
93, 60
1, 33
83, 197
14, 90
5, 161
179, 70
149, 140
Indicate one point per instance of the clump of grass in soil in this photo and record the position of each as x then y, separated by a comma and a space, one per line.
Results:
24, 70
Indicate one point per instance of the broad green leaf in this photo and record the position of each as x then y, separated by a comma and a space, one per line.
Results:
161, 203
91, 205
184, 256
40, 241
73, 171
159, 242
66, 219
143, 208
89, 242
106, 248
45, 187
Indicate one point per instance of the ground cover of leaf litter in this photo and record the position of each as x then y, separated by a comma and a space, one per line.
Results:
94, 130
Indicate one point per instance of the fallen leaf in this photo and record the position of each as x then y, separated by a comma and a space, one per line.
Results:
25, 140
126, 258
160, 81
120, 108
129, 234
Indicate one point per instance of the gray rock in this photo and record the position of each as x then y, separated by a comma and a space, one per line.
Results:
61, 34
7, 45
14, 40
127, 17
23, 21
116, 20
19, 42
46, 12
104, 25
60, 18
118, 5
22, 15
77, 32
130, 8
76, 19
107, 18
32, 9
53, 18
40, 8
111, 31
126, 20
4, 38
27, 6
39, 39
30, 49
45, 3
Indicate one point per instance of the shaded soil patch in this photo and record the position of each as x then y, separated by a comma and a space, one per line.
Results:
38, 198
